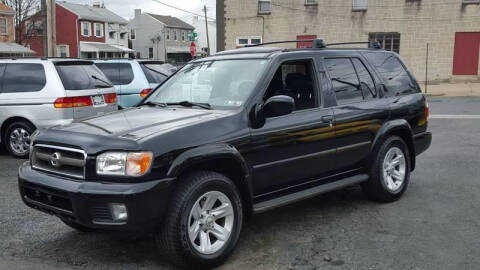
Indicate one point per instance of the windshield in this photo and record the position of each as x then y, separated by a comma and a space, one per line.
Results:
86, 76
225, 83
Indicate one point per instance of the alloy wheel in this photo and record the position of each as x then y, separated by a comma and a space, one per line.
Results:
20, 141
394, 169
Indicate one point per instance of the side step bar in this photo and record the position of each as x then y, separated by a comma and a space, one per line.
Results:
308, 193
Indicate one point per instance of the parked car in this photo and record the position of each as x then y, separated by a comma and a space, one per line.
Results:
134, 79
39, 93
239, 132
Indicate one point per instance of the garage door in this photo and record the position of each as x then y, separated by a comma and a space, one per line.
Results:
465, 59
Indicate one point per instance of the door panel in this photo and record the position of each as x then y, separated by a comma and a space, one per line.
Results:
290, 149
466, 55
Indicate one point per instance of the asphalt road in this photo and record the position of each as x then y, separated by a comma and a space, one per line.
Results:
434, 226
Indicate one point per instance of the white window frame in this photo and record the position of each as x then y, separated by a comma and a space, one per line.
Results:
264, 11
153, 53
311, 2
134, 36
184, 36
59, 52
95, 30
6, 27
175, 36
89, 27
167, 34
359, 5
249, 38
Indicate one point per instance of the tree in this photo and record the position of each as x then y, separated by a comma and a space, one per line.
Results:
25, 10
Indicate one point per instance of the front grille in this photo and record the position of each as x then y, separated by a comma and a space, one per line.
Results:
59, 160
101, 213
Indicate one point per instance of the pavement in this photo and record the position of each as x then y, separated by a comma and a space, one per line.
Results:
456, 89
434, 226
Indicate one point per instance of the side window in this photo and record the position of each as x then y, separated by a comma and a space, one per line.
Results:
366, 80
344, 80
23, 78
396, 78
295, 79
117, 73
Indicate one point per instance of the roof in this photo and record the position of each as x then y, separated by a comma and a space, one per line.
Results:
93, 13
102, 47
172, 21
8, 47
4, 9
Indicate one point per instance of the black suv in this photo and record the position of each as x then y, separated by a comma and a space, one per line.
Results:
239, 132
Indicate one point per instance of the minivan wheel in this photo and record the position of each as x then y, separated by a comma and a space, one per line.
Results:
389, 172
17, 138
203, 222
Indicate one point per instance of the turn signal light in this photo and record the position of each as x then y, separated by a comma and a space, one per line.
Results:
73, 102
427, 111
145, 92
138, 163
110, 98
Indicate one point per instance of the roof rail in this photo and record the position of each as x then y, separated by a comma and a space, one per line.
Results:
320, 44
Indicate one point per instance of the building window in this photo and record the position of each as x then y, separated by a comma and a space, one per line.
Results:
111, 35
132, 34
244, 41
34, 28
264, 6
168, 34
3, 26
360, 5
311, 2
150, 53
174, 34
184, 33
86, 29
388, 41
123, 35
62, 51
98, 30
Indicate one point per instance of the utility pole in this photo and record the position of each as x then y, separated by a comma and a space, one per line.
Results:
206, 29
51, 28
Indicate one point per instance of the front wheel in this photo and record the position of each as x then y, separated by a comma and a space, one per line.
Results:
203, 223
389, 171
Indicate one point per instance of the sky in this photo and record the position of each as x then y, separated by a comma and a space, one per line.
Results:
125, 8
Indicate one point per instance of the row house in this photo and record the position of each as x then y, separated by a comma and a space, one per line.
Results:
84, 31
450, 29
8, 47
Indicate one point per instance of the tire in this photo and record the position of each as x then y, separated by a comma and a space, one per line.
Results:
387, 185
174, 241
17, 138
77, 227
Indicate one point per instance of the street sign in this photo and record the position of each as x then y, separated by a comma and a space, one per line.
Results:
193, 49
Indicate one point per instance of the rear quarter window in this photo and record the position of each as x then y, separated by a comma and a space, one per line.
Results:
22, 77
80, 76
155, 73
118, 73
395, 76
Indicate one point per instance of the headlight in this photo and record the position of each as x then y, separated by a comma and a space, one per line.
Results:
124, 163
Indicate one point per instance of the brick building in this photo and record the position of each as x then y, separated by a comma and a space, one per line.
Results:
450, 27
8, 47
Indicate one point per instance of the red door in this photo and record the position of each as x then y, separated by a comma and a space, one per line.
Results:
467, 48
306, 44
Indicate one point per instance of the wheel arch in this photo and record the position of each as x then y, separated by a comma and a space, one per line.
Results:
221, 158
400, 128
10, 121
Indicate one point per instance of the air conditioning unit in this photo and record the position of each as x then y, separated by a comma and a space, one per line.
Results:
471, 1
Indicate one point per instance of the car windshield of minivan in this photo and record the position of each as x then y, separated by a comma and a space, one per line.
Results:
221, 84
87, 76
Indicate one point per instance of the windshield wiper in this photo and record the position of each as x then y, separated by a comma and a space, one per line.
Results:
156, 71
190, 104
151, 103
107, 84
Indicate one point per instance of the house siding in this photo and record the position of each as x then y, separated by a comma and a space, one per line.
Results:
66, 30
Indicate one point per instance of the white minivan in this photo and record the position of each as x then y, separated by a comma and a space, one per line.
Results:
40, 92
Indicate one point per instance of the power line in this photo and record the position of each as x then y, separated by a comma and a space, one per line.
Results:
174, 7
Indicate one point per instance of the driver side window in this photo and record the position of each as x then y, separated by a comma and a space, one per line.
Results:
295, 79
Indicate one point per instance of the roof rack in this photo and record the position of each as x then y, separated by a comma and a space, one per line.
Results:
320, 44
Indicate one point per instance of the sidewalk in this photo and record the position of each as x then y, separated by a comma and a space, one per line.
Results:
453, 89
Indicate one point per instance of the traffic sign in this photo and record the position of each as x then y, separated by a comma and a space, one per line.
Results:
193, 49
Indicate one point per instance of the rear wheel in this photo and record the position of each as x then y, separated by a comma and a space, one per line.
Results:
389, 172
203, 223
17, 138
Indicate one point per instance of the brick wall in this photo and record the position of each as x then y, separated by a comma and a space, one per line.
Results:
9, 37
418, 22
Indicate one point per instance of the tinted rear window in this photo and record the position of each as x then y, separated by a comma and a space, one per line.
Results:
118, 73
155, 73
22, 77
396, 78
79, 76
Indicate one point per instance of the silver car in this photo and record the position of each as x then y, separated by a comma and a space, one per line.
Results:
39, 93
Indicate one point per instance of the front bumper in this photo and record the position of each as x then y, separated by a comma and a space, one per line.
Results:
88, 203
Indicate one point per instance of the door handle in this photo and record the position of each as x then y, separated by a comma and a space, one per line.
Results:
328, 119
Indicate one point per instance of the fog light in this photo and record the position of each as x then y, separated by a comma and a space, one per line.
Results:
119, 211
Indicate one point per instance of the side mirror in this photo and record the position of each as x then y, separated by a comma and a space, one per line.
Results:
278, 106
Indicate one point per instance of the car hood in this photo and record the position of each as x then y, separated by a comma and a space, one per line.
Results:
139, 122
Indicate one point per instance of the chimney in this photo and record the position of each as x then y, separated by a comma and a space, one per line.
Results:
138, 12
